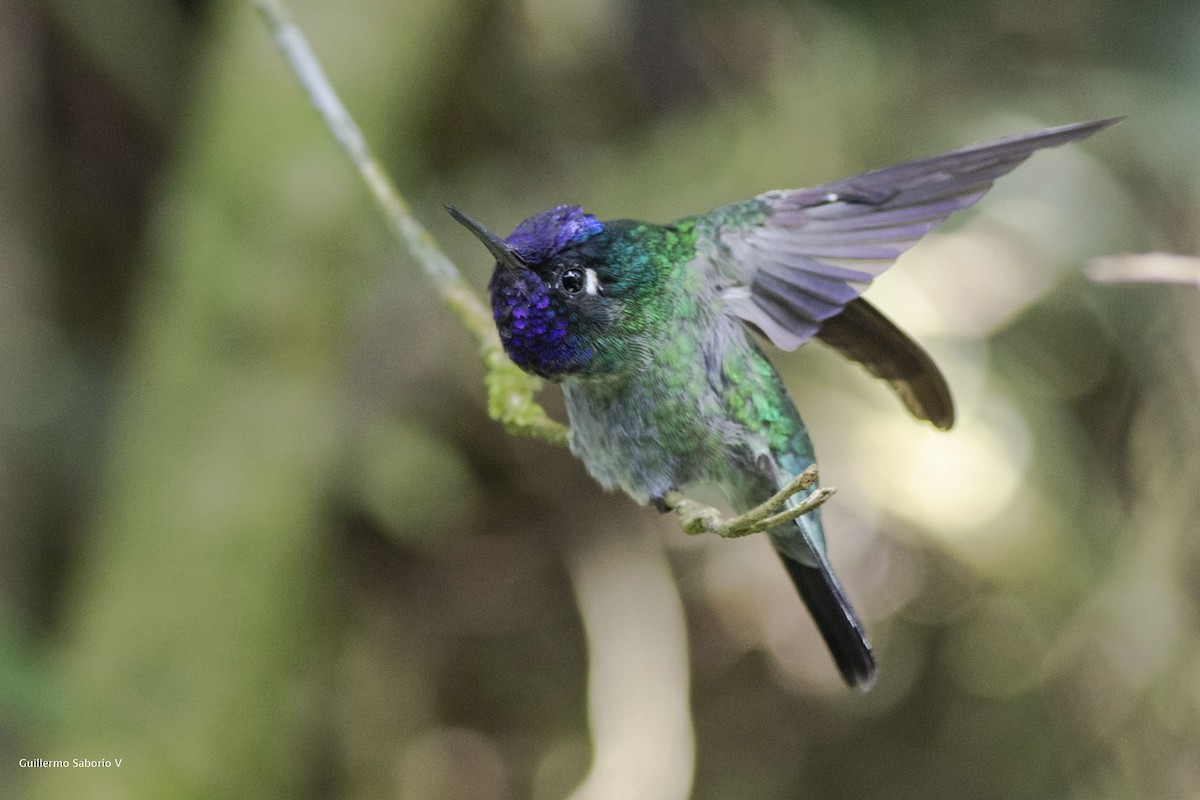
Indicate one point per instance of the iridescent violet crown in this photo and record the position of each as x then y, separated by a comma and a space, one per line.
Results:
546, 234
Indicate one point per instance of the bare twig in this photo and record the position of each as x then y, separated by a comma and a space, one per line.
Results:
510, 391
1146, 268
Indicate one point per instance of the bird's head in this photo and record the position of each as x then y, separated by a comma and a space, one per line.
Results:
557, 296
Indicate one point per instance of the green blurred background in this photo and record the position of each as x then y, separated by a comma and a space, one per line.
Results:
258, 538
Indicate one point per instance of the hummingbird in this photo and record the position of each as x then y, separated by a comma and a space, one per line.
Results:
653, 333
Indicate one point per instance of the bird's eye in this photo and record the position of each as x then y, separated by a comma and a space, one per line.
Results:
572, 280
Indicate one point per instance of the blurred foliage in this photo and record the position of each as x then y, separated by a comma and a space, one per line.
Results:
258, 538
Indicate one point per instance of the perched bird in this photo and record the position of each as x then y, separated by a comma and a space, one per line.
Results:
647, 328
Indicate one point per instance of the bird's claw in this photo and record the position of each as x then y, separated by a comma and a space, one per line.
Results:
697, 518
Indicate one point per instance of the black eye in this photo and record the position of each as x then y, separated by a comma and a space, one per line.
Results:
572, 280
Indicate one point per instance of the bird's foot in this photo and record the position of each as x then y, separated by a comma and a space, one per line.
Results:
698, 518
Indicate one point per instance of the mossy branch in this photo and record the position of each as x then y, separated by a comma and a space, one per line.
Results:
510, 390
510, 399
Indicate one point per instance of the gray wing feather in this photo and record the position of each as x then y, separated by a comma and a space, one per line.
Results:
794, 259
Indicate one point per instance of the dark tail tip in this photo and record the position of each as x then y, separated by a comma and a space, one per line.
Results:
836, 620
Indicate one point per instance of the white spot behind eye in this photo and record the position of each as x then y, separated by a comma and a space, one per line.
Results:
591, 283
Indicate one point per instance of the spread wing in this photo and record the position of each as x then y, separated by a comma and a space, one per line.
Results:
792, 261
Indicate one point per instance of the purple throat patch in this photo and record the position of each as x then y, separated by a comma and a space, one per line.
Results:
533, 330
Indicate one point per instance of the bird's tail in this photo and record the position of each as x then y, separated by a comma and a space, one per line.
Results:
835, 618
801, 545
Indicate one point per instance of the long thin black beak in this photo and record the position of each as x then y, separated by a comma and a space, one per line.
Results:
505, 255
